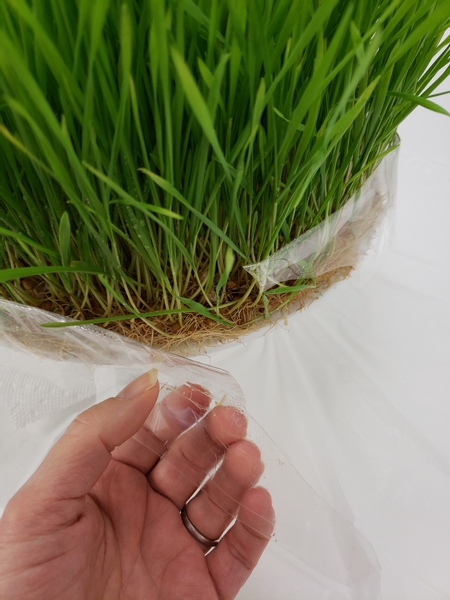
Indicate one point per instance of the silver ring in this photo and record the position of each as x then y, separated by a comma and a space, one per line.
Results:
195, 533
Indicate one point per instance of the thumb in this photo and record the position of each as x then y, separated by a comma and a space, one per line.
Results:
79, 458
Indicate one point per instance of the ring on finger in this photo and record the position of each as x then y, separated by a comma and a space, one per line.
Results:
195, 533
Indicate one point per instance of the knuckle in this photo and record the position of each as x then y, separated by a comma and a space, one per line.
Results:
240, 557
85, 420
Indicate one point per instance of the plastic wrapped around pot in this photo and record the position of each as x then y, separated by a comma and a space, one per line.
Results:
341, 239
48, 375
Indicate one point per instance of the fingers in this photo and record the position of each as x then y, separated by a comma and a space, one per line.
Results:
196, 453
232, 561
78, 459
172, 416
216, 441
217, 503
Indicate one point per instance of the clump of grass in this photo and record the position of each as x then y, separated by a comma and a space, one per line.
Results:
150, 149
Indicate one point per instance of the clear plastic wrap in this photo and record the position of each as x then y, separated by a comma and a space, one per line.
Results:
341, 239
45, 370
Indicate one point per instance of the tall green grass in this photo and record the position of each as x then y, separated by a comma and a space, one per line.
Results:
151, 148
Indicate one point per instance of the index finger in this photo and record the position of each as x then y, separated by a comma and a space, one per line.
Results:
173, 415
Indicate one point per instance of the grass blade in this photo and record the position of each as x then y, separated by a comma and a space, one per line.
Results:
421, 102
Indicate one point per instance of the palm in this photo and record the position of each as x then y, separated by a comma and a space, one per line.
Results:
141, 556
124, 538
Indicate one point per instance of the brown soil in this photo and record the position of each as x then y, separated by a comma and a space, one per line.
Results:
196, 332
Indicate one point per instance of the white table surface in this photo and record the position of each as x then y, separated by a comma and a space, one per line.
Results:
356, 390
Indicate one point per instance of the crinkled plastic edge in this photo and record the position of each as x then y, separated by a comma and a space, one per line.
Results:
341, 239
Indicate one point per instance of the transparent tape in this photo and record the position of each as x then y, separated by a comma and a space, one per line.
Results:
341, 239
71, 363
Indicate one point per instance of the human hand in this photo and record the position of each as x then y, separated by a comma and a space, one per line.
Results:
100, 518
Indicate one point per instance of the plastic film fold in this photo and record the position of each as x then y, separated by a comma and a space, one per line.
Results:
341, 239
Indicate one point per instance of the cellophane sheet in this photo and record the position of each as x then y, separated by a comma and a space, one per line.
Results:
48, 375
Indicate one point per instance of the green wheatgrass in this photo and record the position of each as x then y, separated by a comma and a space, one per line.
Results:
150, 149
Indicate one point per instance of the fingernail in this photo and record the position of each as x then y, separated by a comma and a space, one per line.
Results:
142, 384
